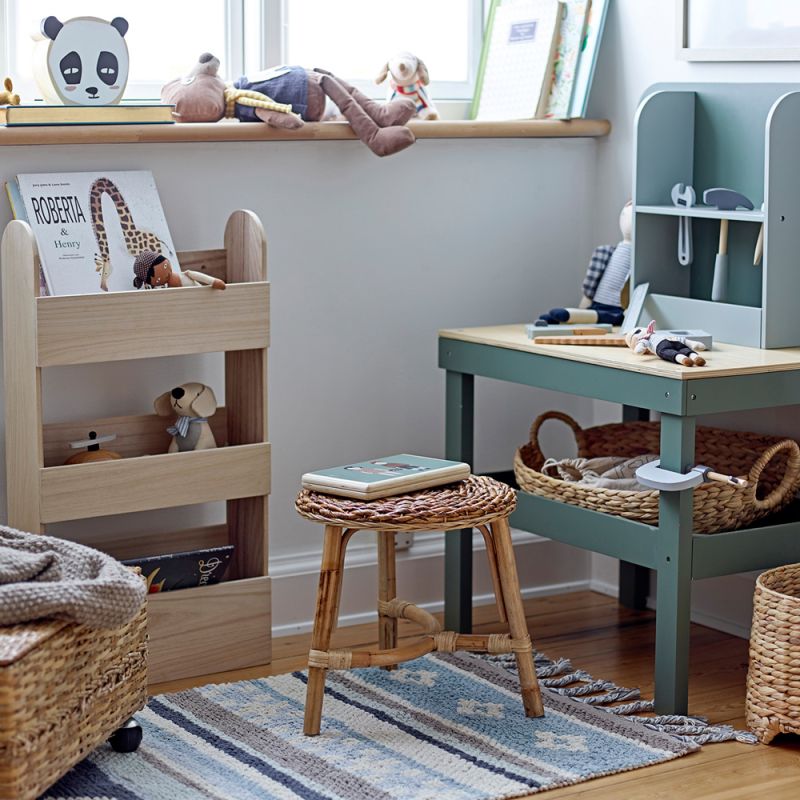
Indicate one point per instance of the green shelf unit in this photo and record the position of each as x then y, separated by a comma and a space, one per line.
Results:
744, 137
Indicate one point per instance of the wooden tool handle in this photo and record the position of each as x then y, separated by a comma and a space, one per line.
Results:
759, 253
723, 237
594, 341
720, 478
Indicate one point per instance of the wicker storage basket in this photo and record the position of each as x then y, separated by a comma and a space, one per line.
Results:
773, 679
771, 465
64, 689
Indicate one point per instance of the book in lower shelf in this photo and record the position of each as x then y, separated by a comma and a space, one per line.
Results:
187, 570
385, 477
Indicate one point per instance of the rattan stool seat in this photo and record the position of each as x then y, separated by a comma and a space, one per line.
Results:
474, 501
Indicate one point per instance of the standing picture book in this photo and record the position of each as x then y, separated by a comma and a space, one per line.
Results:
90, 226
183, 570
587, 61
571, 40
384, 477
517, 60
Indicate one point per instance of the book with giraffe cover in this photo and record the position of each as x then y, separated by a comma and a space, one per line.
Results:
90, 226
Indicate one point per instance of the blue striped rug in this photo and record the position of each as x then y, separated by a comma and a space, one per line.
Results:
444, 726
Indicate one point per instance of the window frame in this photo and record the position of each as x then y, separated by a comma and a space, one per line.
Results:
255, 38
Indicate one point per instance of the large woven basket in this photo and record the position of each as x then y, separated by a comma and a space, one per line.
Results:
771, 466
64, 689
773, 680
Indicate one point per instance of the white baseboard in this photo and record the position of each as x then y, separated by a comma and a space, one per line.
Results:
545, 568
733, 626
362, 617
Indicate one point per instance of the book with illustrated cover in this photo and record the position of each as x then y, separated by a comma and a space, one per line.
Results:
183, 570
90, 226
384, 477
572, 36
517, 60
125, 113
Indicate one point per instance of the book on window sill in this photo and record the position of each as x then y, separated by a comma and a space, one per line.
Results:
384, 477
90, 226
129, 113
174, 571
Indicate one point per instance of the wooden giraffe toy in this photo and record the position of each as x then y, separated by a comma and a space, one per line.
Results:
136, 240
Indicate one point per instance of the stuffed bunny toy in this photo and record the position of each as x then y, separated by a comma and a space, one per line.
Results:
286, 97
409, 77
604, 284
192, 404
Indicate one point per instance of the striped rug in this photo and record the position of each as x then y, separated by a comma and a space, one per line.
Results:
445, 726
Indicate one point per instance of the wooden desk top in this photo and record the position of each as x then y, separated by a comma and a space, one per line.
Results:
724, 360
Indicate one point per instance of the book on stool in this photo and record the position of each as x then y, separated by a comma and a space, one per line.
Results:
384, 477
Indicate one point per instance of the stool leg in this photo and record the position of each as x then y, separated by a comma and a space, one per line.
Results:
330, 577
387, 590
517, 624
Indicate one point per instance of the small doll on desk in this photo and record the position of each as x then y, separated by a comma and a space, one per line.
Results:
154, 271
677, 349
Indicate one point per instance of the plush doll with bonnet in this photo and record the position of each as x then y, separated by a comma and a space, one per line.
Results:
603, 285
408, 77
286, 97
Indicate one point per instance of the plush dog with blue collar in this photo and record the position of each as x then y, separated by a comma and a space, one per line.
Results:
192, 404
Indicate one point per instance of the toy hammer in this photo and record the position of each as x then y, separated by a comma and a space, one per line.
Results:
724, 200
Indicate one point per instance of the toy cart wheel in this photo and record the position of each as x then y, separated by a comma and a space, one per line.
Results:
127, 738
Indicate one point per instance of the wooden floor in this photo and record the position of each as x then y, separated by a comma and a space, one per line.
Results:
617, 644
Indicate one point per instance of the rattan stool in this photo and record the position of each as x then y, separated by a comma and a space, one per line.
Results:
477, 502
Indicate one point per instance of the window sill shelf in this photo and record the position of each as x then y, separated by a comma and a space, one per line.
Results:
317, 131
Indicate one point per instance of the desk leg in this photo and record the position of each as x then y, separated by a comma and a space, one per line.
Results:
459, 416
634, 580
674, 594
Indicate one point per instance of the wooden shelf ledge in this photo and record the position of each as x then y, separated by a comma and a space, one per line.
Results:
232, 131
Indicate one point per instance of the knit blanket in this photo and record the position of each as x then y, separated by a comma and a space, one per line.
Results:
41, 576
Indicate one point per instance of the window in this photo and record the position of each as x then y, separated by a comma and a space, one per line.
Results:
351, 38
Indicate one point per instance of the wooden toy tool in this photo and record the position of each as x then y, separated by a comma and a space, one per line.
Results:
591, 341
654, 476
683, 196
724, 200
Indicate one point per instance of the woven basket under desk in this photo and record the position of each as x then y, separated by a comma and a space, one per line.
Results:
770, 464
773, 679
64, 689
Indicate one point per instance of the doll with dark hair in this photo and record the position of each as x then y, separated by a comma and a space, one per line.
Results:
154, 271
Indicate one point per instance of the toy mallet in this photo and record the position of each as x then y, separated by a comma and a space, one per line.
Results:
759, 251
724, 200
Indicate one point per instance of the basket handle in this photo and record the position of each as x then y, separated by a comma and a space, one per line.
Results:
778, 494
565, 418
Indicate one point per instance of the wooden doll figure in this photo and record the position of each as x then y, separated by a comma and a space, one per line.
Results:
154, 271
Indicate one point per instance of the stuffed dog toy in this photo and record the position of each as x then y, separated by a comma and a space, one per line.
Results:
286, 97
192, 404
408, 77
7, 97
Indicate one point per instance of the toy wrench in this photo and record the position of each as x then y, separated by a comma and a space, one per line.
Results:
683, 196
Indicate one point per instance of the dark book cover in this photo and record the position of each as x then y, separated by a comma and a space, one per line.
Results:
183, 570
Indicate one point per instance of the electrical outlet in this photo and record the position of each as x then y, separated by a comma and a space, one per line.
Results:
403, 540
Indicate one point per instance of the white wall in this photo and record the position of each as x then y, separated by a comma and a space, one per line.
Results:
639, 50
367, 258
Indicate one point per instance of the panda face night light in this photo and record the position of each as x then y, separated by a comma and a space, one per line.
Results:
83, 61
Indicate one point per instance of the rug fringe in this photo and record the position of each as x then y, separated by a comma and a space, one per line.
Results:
560, 677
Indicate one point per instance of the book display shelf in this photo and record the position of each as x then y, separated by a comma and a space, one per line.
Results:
192, 631
739, 136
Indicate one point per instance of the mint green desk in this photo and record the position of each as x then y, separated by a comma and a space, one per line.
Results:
736, 379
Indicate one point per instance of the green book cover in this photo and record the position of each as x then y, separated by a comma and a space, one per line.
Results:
381, 477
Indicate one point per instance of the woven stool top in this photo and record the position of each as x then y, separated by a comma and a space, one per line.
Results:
474, 501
